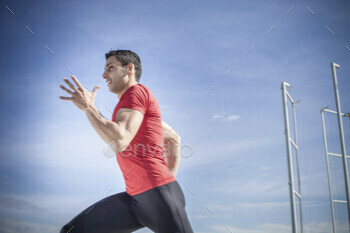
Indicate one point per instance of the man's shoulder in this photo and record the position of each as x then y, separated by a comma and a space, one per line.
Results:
140, 92
143, 90
141, 87
137, 89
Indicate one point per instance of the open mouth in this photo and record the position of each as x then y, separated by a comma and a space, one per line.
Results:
109, 82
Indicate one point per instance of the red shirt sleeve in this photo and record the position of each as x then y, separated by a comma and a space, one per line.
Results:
135, 99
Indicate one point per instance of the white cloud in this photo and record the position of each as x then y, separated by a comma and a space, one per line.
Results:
232, 118
217, 116
223, 117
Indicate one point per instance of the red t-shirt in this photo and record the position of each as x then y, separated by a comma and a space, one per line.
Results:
142, 162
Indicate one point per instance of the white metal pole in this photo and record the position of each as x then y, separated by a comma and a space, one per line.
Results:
328, 171
298, 170
341, 134
289, 159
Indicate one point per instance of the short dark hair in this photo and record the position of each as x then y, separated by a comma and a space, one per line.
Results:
126, 57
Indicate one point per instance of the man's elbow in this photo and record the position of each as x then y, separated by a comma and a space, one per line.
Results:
116, 146
177, 139
113, 146
121, 145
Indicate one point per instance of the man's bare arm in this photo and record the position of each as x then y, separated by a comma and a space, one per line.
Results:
119, 134
172, 143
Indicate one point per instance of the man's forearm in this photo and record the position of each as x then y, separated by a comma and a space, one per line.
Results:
173, 156
106, 129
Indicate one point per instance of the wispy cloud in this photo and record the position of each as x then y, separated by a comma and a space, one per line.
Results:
224, 117
10, 225
218, 116
231, 118
7, 202
228, 149
251, 187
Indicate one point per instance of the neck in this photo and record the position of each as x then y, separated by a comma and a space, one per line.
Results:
126, 88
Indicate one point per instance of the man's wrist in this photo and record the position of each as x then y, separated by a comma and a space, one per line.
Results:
90, 109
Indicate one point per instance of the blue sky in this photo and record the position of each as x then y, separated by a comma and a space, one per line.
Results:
216, 70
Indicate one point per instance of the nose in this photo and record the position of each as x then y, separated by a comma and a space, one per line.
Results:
104, 75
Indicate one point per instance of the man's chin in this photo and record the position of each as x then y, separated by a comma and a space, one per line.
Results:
111, 90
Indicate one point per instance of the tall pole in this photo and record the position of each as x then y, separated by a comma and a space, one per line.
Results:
289, 159
328, 169
341, 134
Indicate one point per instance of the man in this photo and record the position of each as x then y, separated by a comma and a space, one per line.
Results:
153, 198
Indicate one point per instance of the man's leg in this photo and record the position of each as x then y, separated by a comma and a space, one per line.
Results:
111, 214
162, 209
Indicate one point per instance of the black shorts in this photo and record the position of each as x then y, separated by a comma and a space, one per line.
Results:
161, 209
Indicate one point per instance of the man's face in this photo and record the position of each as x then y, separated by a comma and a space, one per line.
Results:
115, 75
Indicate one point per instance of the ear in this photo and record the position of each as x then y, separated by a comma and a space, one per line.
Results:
130, 68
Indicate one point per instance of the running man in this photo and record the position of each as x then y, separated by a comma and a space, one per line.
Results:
153, 197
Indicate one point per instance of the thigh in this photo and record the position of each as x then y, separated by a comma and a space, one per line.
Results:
162, 209
109, 215
179, 200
